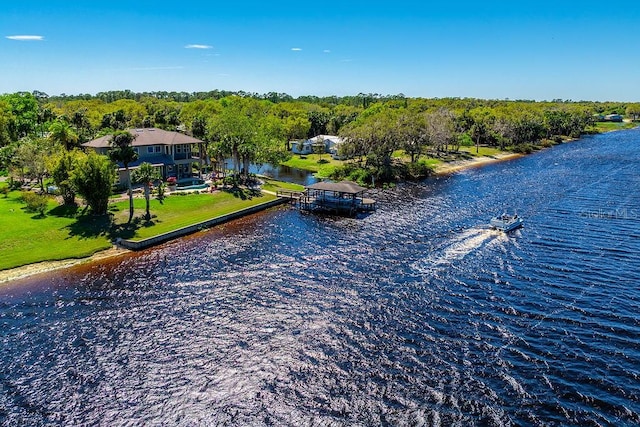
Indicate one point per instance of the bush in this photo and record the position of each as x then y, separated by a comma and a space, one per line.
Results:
523, 148
419, 169
361, 176
230, 180
35, 202
546, 143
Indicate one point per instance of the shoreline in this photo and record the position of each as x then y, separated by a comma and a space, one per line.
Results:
461, 165
28, 270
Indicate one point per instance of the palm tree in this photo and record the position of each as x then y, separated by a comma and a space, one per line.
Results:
146, 174
62, 133
122, 151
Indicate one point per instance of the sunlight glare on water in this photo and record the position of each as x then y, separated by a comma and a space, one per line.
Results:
417, 314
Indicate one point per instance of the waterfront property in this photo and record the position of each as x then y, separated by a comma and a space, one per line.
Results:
329, 144
169, 152
343, 197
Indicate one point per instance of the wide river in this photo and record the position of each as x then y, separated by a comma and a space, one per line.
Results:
417, 314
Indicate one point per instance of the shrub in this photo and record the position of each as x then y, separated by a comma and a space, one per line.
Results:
419, 169
523, 148
35, 202
361, 176
230, 180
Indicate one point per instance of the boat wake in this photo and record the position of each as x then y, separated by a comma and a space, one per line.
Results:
460, 246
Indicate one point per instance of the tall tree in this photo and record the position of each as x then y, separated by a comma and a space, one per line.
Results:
374, 133
146, 174
482, 120
6, 123
62, 166
633, 111
31, 156
413, 133
62, 133
199, 130
24, 109
233, 132
122, 151
93, 178
441, 128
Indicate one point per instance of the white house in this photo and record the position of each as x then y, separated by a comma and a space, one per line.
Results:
330, 142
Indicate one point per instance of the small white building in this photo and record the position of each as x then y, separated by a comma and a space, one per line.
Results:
331, 144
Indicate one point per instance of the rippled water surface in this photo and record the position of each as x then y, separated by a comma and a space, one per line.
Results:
414, 315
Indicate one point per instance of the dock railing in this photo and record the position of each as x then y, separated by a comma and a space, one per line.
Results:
293, 196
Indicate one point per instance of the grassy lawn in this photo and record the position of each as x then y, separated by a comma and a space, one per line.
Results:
26, 238
179, 211
483, 151
309, 162
272, 185
68, 232
431, 162
609, 126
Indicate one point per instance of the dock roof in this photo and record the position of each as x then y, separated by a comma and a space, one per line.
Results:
348, 187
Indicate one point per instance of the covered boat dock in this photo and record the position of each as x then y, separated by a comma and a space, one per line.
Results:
345, 197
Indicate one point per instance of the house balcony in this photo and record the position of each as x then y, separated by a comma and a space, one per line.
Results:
181, 156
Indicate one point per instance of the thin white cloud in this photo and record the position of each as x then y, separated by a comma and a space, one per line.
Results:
198, 46
326, 51
179, 67
296, 49
25, 38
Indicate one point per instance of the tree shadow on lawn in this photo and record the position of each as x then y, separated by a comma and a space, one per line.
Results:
66, 211
244, 193
89, 226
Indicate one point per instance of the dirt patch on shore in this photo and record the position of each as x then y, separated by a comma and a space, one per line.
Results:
46, 266
460, 165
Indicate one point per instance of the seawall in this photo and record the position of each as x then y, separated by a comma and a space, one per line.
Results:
161, 238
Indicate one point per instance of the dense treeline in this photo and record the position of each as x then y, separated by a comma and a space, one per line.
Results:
257, 128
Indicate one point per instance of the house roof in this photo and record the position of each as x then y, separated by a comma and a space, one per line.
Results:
348, 187
148, 136
335, 139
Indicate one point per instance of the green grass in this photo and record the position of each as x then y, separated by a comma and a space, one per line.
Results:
68, 232
483, 151
272, 185
609, 126
309, 162
27, 238
431, 162
180, 211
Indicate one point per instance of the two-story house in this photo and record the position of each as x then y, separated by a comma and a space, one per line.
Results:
169, 152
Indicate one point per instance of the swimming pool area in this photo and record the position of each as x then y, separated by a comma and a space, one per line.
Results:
192, 184
193, 187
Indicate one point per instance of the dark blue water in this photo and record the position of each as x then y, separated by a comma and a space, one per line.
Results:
415, 315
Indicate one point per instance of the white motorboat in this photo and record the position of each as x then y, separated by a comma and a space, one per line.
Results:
506, 222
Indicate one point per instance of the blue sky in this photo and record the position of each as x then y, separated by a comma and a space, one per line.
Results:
578, 50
